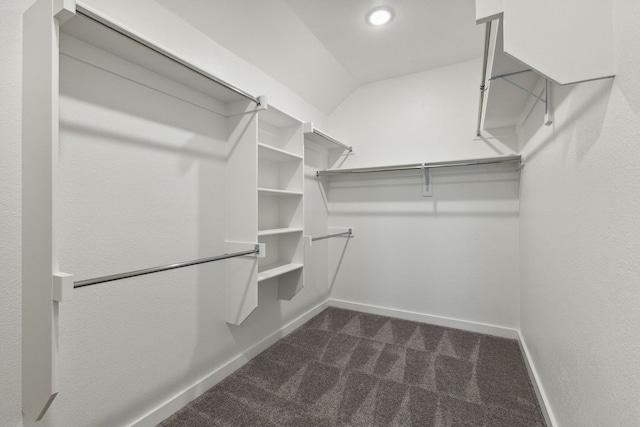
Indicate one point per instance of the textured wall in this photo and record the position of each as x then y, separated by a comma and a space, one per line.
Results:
453, 255
10, 212
579, 231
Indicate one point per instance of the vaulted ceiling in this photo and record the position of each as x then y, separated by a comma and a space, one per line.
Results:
325, 49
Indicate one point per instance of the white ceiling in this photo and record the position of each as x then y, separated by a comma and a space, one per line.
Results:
424, 34
324, 49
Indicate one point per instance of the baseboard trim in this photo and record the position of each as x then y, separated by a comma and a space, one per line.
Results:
175, 403
537, 384
482, 328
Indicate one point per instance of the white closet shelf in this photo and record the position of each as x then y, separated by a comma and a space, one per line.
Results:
314, 135
274, 270
268, 152
276, 231
275, 192
94, 29
504, 101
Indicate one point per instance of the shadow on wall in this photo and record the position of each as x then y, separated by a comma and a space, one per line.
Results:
143, 101
336, 268
196, 148
584, 104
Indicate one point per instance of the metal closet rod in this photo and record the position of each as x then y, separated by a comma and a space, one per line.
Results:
432, 165
95, 281
80, 10
346, 233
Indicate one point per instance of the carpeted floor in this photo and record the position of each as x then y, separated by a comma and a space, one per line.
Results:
345, 368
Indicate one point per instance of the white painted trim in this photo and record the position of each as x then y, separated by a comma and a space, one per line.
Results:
174, 404
543, 400
482, 328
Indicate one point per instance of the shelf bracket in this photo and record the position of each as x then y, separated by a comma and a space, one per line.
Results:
426, 189
548, 114
62, 287
262, 103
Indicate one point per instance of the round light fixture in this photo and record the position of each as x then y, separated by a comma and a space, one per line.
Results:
380, 16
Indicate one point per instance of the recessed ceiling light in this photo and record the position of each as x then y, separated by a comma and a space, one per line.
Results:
380, 16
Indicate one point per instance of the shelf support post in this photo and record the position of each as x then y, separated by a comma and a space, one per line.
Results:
42, 286
548, 112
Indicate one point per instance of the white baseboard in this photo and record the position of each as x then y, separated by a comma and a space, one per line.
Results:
537, 384
482, 328
175, 403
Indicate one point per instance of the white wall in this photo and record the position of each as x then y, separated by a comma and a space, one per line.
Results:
10, 213
579, 232
453, 255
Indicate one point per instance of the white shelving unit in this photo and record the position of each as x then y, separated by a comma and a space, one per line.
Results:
280, 201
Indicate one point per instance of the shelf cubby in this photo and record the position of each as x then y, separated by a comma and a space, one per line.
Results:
279, 212
283, 262
274, 154
270, 271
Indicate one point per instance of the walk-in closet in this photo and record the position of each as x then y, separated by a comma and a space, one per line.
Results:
320, 213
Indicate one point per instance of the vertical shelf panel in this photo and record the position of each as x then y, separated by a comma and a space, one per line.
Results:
39, 160
242, 220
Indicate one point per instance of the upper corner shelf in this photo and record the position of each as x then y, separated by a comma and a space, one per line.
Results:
313, 134
522, 61
510, 84
90, 28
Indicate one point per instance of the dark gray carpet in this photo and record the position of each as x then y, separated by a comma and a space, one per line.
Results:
345, 368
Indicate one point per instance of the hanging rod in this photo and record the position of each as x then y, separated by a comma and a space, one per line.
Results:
80, 10
421, 166
346, 233
95, 281
483, 88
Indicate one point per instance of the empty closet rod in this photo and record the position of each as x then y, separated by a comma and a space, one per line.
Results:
421, 166
485, 61
114, 27
346, 233
94, 281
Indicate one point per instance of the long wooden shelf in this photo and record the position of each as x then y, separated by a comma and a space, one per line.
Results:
274, 270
